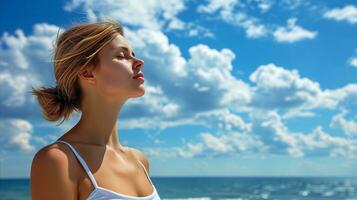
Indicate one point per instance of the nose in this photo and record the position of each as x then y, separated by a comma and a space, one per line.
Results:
138, 63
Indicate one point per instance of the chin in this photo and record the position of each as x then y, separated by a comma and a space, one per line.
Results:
139, 94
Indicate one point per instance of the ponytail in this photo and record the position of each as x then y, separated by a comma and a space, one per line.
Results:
55, 104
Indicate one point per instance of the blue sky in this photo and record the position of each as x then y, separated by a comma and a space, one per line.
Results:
233, 88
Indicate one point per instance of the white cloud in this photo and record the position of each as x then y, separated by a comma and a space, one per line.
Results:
198, 31
237, 13
294, 96
214, 70
162, 152
229, 14
294, 4
265, 5
333, 145
223, 120
13, 92
232, 144
349, 127
269, 135
353, 61
215, 5
150, 14
254, 30
274, 133
293, 33
284, 90
347, 13
228, 6
15, 135
191, 150
27, 61
345, 97
213, 60
215, 143
16, 44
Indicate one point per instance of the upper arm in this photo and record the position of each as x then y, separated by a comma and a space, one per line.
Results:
51, 176
142, 157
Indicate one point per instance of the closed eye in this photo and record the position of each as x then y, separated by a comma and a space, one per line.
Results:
125, 54
121, 55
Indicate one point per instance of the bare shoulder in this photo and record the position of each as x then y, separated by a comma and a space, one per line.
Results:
49, 154
53, 174
140, 156
52, 155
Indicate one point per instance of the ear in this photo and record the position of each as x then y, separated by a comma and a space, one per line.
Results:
87, 76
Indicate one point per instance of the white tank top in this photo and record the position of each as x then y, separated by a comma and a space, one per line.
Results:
100, 193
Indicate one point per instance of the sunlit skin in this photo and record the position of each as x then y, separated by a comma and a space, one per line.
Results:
105, 90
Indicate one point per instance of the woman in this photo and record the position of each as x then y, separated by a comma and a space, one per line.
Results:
96, 71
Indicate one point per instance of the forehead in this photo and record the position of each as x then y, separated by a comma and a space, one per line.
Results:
118, 42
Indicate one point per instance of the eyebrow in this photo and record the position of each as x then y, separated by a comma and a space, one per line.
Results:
127, 49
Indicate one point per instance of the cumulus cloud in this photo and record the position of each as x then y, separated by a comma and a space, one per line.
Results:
14, 89
264, 5
222, 119
15, 135
293, 33
347, 13
27, 61
215, 5
339, 121
280, 139
269, 135
237, 13
294, 4
284, 90
228, 13
226, 7
161, 152
232, 144
150, 14
276, 90
353, 62
344, 97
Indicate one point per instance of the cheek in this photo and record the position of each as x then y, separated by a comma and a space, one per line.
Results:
113, 78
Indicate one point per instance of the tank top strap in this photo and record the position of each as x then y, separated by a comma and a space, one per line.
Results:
83, 163
147, 174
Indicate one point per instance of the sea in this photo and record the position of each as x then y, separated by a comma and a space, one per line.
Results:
227, 188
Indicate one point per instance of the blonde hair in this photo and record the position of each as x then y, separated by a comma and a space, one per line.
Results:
76, 48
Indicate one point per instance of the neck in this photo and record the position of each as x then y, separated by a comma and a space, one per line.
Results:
98, 124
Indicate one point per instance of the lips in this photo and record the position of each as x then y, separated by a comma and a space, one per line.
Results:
140, 74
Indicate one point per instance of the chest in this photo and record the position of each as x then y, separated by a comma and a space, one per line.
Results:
118, 173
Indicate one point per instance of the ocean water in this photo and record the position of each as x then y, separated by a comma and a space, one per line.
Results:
230, 188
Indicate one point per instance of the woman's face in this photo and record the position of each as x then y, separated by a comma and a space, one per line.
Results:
116, 70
